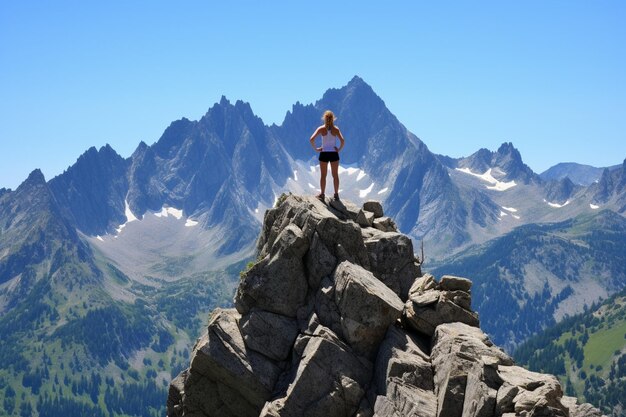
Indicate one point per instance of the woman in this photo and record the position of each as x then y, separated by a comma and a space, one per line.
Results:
328, 151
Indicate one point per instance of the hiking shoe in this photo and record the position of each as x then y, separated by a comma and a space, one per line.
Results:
336, 197
320, 196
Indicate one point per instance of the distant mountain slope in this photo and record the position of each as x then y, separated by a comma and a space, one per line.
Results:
587, 352
78, 336
610, 190
578, 173
536, 274
38, 246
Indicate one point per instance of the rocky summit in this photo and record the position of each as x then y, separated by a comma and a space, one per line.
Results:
335, 318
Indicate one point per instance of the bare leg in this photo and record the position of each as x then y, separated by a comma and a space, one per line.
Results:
334, 168
323, 172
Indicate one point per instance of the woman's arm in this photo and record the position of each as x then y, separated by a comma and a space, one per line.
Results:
312, 140
340, 136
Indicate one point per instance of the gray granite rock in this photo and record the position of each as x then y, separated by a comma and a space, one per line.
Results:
452, 283
374, 207
329, 380
367, 307
278, 282
392, 260
319, 260
385, 224
269, 333
221, 356
320, 333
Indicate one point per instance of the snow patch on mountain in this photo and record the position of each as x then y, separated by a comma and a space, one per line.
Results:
170, 211
191, 223
497, 185
556, 205
593, 206
365, 192
130, 217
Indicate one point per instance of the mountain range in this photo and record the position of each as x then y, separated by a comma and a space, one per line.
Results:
108, 246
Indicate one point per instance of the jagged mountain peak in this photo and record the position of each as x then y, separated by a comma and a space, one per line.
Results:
357, 95
507, 159
35, 178
173, 137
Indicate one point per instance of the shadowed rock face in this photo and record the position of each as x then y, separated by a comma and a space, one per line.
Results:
336, 319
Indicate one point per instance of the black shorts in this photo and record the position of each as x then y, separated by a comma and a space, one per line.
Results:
329, 156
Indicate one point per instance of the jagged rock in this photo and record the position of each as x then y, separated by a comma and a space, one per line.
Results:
426, 318
423, 283
364, 219
425, 298
269, 333
374, 207
320, 262
483, 382
346, 209
385, 224
175, 395
337, 320
334, 233
457, 350
221, 357
404, 401
330, 380
452, 283
580, 410
367, 307
277, 283
392, 261
460, 298
401, 359
526, 391
326, 309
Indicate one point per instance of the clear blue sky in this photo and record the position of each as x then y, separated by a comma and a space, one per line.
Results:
549, 76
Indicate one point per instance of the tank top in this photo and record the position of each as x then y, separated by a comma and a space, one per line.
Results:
328, 142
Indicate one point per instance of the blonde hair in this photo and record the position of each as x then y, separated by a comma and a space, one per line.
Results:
329, 119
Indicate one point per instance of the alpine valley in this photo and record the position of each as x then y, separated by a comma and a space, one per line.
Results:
108, 271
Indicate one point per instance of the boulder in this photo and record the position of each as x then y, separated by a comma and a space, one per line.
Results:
221, 356
334, 232
422, 284
385, 224
278, 282
452, 283
363, 219
526, 391
328, 380
373, 207
367, 307
580, 410
425, 318
458, 351
269, 333
392, 261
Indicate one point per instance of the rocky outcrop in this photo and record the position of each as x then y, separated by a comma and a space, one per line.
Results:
335, 318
